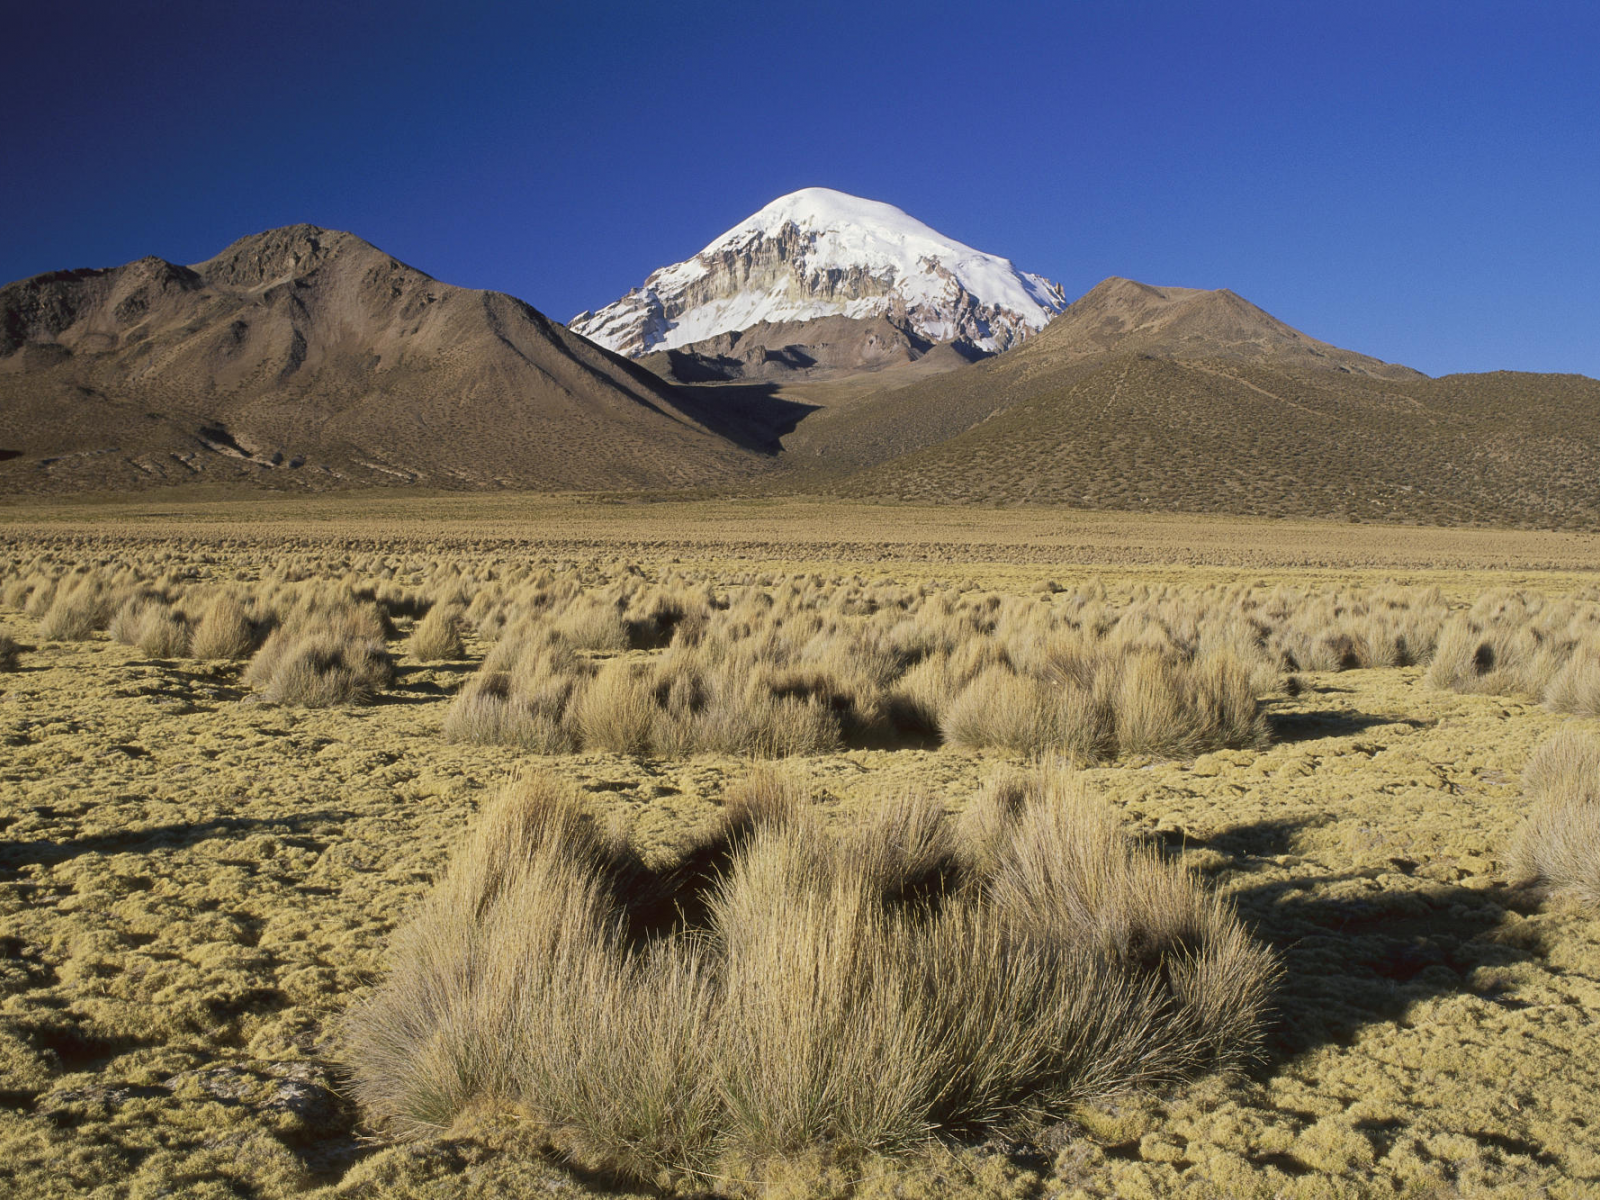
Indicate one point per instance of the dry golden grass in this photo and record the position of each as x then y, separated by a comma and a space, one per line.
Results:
225, 631
195, 886
437, 636
857, 992
76, 611
1017, 546
163, 634
1516, 643
1575, 686
324, 656
1559, 843
783, 665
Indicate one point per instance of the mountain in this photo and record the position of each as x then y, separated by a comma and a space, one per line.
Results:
822, 280
1168, 399
1122, 316
305, 357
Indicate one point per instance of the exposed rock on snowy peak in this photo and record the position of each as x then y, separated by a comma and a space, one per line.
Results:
817, 254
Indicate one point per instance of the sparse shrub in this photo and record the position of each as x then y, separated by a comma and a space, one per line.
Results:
593, 624
333, 657
1558, 843
1575, 688
437, 637
323, 670
10, 652
225, 631
861, 990
163, 633
73, 616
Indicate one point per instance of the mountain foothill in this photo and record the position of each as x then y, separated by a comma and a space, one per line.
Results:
826, 345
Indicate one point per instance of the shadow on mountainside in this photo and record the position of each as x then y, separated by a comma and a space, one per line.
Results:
751, 415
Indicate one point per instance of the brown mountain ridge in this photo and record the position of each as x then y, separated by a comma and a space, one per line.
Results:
305, 357
1170, 399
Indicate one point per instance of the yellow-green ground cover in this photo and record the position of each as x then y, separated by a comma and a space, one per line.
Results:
194, 886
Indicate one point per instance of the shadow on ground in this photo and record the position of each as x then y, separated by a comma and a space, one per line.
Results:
177, 836
1331, 723
1373, 950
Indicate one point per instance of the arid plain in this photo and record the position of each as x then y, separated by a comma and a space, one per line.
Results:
201, 878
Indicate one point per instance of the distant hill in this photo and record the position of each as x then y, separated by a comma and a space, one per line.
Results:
1173, 399
307, 358
1121, 316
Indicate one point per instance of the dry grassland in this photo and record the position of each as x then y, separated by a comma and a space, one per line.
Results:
210, 863
1009, 546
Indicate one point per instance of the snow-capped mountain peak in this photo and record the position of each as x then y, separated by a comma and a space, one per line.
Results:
821, 253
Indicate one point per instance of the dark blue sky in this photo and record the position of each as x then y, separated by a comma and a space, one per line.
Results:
1416, 181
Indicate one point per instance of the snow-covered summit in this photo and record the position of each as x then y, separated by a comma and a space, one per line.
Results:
821, 253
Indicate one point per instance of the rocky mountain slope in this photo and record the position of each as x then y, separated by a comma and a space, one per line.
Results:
307, 358
304, 358
822, 280
1162, 399
1126, 317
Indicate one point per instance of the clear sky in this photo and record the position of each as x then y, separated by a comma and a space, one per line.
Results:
1418, 181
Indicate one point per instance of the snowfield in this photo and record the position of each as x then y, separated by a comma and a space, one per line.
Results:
822, 253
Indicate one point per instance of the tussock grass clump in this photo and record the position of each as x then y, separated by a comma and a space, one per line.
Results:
163, 633
437, 637
127, 623
38, 598
522, 696
1559, 841
1523, 644
1575, 687
225, 630
14, 592
593, 623
324, 671
1096, 702
74, 615
788, 986
10, 652
147, 621
325, 659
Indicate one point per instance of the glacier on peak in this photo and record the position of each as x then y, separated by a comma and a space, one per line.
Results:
819, 253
